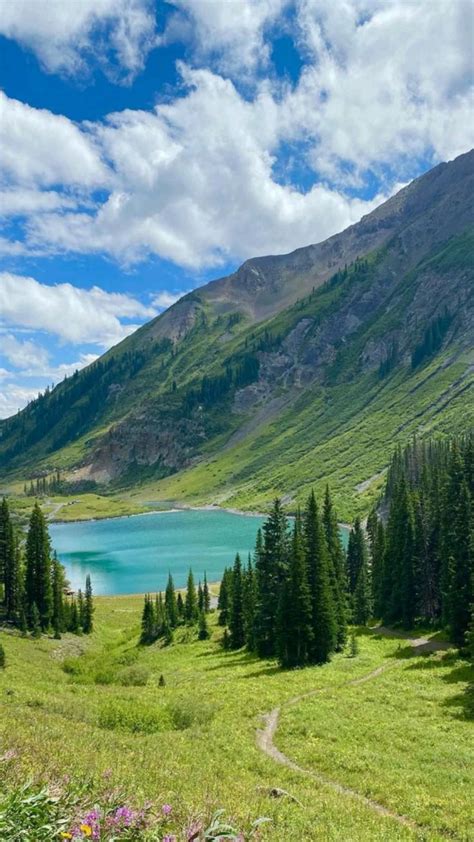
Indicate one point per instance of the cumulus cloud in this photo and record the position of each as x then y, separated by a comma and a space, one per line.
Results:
204, 178
230, 34
67, 36
165, 298
23, 354
15, 396
73, 314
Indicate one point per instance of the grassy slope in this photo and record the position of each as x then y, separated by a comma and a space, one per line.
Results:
56, 720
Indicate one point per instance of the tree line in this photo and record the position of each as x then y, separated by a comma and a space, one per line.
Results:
422, 537
163, 613
33, 582
413, 563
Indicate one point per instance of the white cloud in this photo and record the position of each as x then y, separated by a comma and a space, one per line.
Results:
23, 355
40, 148
165, 299
23, 201
230, 34
385, 84
66, 36
73, 314
15, 396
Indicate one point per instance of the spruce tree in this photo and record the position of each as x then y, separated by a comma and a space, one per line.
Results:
249, 604
323, 609
337, 567
74, 622
38, 582
171, 603
80, 609
363, 596
271, 568
35, 621
190, 604
295, 626
148, 621
88, 622
356, 553
3, 660
9, 563
180, 607
203, 629
377, 570
236, 614
207, 596
58, 584
224, 599
200, 597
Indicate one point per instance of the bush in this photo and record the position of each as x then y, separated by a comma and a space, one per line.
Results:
136, 719
135, 676
187, 712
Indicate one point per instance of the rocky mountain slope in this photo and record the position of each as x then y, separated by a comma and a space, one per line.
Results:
294, 369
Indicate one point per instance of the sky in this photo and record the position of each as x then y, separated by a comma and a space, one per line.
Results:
147, 147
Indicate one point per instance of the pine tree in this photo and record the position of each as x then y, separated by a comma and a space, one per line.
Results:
3, 659
80, 610
378, 554
457, 549
363, 596
74, 622
337, 567
295, 632
58, 584
171, 603
236, 614
356, 553
148, 621
203, 630
160, 619
190, 604
38, 568
35, 621
271, 568
200, 597
9, 563
223, 602
180, 607
323, 609
207, 596
88, 622
249, 604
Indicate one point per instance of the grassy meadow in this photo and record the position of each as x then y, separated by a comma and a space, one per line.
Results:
89, 707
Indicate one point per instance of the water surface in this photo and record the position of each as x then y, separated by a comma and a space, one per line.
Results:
134, 554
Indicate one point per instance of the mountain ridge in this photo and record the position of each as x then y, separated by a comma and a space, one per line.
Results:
282, 339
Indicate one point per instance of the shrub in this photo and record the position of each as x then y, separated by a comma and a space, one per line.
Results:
188, 712
144, 719
135, 676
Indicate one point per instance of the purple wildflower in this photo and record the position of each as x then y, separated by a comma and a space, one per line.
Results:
169, 838
166, 809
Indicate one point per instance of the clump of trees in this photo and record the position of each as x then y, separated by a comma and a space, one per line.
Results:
162, 614
33, 582
422, 550
290, 601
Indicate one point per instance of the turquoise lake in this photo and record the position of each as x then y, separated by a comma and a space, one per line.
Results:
128, 555
134, 554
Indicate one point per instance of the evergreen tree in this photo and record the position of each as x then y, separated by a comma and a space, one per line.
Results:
9, 563
363, 596
323, 609
190, 604
180, 607
171, 603
337, 567
249, 604
203, 629
378, 555
35, 621
3, 660
160, 619
207, 596
80, 609
224, 600
38, 568
200, 597
458, 549
295, 631
271, 568
58, 584
236, 614
356, 553
88, 623
148, 621
74, 621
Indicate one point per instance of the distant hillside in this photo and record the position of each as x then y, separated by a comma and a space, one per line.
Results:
294, 369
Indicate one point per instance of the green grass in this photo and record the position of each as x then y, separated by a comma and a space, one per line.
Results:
81, 706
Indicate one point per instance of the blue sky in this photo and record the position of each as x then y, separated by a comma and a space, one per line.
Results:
147, 147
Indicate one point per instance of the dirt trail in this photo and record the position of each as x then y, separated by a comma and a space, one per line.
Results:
265, 735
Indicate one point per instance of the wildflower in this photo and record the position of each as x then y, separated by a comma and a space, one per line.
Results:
193, 831
166, 809
169, 838
11, 754
86, 829
66, 835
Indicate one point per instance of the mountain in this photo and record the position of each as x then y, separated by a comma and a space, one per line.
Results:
294, 369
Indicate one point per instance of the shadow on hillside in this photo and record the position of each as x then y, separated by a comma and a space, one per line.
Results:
461, 705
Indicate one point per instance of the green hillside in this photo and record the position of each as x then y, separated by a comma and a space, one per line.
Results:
220, 401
